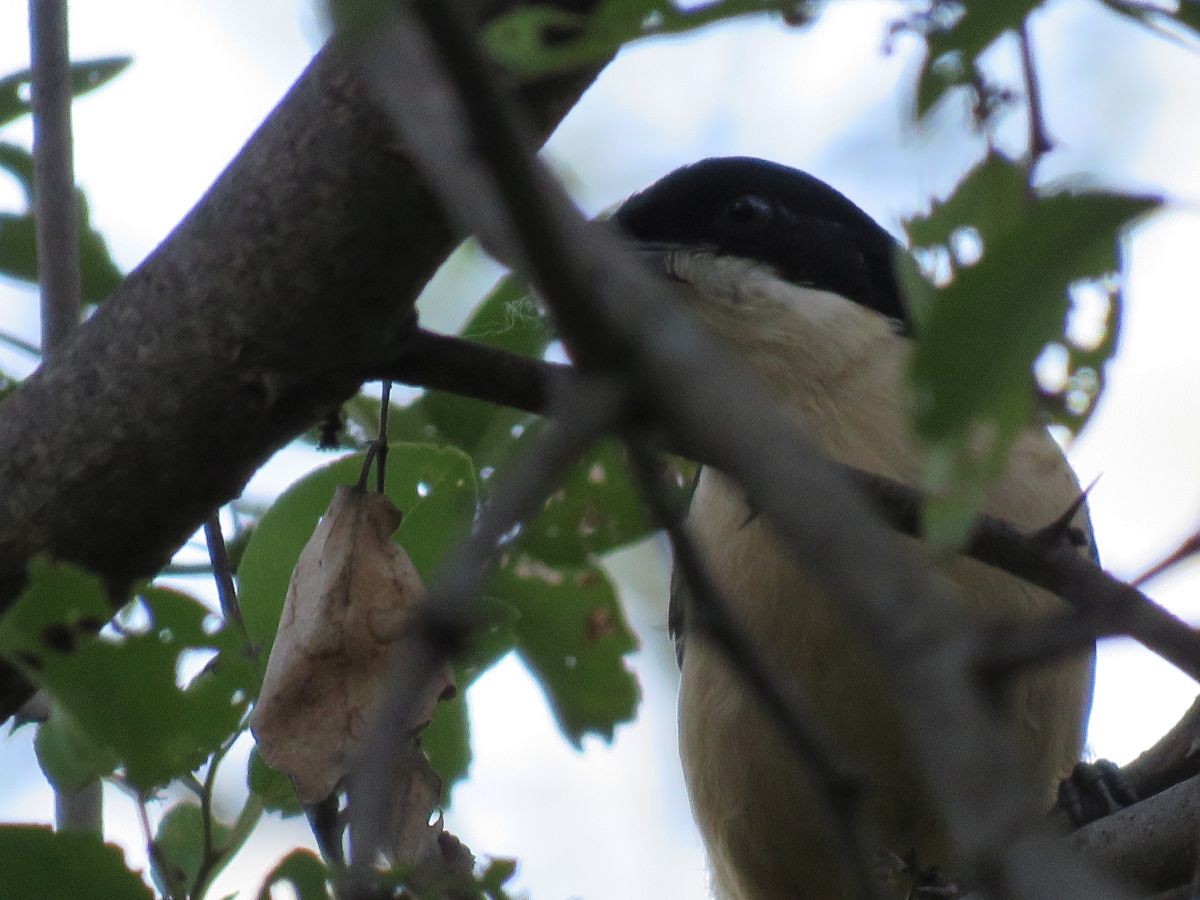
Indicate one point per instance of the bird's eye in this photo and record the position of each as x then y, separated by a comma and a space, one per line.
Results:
748, 210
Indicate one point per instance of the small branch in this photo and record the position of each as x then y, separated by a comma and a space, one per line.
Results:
708, 617
382, 438
20, 343
447, 363
447, 613
222, 571
1039, 139
54, 178
1188, 548
80, 809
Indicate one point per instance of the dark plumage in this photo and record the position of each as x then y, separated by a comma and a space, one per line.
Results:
811, 234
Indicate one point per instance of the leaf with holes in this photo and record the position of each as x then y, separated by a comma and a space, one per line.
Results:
982, 331
136, 695
597, 508
573, 636
956, 34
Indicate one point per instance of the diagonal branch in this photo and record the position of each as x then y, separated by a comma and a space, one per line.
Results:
614, 316
1104, 604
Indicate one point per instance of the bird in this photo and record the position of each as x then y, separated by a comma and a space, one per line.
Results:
791, 276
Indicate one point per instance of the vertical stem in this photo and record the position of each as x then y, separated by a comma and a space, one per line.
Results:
57, 253
54, 177
382, 438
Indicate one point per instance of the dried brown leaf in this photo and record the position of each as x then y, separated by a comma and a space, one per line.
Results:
351, 603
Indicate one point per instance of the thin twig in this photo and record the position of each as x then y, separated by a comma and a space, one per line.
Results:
20, 343
153, 852
54, 177
709, 618
382, 438
1039, 139
447, 613
222, 570
1189, 547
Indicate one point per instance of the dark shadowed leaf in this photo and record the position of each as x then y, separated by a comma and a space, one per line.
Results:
159, 700
447, 741
85, 76
598, 508
18, 253
272, 787
304, 871
40, 864
68, 757
956, 34
980, 333
536, 40
180, 843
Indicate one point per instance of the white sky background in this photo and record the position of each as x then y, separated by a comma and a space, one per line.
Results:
613, 822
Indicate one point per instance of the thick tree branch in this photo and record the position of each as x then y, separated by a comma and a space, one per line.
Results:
1151, 844
297, 268
614, 316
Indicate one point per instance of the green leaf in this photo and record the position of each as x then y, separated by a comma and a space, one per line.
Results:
508, 318
304, 871
494, 877
180, 844
272, 787
39, 864
956, 34
434, 487
980, 334
85, 76
18, 246
447, 742
69, 760
534, 40
598, 508
573, 636
124, 691
18, 162
18, 253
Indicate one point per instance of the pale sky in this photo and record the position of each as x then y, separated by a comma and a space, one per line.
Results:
612, 823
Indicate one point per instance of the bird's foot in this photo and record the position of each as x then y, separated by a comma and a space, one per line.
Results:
1094, 790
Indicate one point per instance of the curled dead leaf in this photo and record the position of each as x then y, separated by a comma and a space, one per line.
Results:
350, 607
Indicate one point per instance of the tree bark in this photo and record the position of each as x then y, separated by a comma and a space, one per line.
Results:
257, 314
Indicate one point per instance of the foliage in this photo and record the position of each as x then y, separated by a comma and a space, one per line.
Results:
160, 695
18, 250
